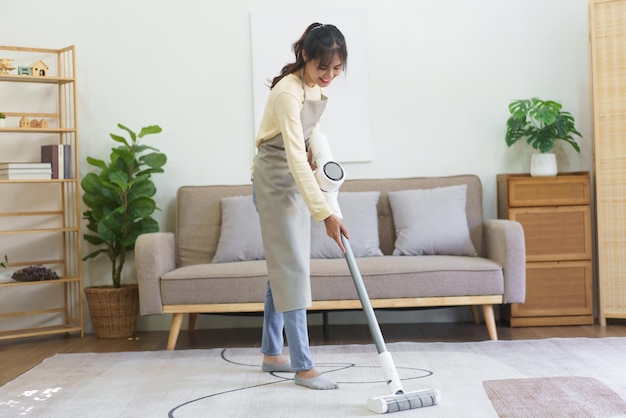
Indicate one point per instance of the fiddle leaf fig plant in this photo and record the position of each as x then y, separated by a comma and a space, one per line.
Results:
119, 197
541, 123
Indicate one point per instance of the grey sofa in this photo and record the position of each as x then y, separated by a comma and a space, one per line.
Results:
176, 275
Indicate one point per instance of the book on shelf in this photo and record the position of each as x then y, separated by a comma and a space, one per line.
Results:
26, 170
60, 158
11, 175
24, 166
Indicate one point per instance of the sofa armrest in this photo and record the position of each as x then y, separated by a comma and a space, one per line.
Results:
155, 254
504, 244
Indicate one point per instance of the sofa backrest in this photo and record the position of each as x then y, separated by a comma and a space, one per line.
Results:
199, 214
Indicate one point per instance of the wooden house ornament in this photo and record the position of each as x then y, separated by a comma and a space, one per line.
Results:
24, 122
39, 69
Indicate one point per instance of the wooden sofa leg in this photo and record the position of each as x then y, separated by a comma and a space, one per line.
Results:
490, 320
475, 315
192, 322
177, 321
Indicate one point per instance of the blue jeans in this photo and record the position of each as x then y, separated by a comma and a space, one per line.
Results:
295, 325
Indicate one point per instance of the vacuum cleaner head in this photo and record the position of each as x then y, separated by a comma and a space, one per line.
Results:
404, 401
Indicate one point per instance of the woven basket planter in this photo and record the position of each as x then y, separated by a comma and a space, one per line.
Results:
113, 311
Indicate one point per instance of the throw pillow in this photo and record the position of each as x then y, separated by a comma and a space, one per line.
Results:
360, 216
240, 233
431, 221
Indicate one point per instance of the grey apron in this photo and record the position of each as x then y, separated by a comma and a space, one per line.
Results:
285, 218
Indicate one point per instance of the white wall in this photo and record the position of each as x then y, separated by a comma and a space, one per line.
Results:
442, 73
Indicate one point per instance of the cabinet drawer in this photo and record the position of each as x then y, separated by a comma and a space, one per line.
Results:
557, 289
548, 191
555, 233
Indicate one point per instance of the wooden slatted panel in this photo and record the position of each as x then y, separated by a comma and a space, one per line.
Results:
608, 46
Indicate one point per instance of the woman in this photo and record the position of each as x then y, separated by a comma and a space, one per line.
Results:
287, 195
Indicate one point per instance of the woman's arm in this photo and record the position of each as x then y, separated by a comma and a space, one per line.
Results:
287, 108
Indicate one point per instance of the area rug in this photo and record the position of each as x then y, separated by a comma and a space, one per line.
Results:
569, 377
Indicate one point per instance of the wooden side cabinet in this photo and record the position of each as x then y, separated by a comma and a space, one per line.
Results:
555, 213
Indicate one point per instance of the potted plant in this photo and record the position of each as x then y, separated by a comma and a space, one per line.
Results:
119, 198
541, 123
3, 119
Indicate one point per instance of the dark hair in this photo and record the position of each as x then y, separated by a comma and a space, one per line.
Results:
321, 42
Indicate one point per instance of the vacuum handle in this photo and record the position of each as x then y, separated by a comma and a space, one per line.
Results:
377, 334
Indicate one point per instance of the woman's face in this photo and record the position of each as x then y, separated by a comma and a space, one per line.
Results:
322, 75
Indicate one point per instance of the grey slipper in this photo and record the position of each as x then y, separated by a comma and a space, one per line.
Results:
286, 367
320, 382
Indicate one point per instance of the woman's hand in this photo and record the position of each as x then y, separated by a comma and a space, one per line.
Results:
310, 159
334, 229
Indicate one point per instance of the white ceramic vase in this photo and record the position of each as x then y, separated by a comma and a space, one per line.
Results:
543, 165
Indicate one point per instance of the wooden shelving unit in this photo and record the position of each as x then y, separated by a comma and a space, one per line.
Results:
555, 213
40, 219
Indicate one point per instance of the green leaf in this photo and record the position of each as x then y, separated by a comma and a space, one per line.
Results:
120, 139
123, 155
142, 207
90, 183
96, 162
93, 239
154, 160
133, 135
513, 130
148, 130
94, 254
519, 108
119, 177
141, 189
544, 112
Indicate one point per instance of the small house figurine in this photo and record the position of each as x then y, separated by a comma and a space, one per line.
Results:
34, 124
43, 123
39, 69
24, 122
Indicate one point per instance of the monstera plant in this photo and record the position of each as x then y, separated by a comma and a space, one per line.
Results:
541, 123
120, 204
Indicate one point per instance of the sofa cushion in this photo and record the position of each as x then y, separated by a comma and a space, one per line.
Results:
391, 277
240, 235
236, 282
384, 277
431, 221
360, 215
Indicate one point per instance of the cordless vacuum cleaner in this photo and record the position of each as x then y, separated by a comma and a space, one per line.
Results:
330, 175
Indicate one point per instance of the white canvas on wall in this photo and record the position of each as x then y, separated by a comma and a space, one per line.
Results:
346, 121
